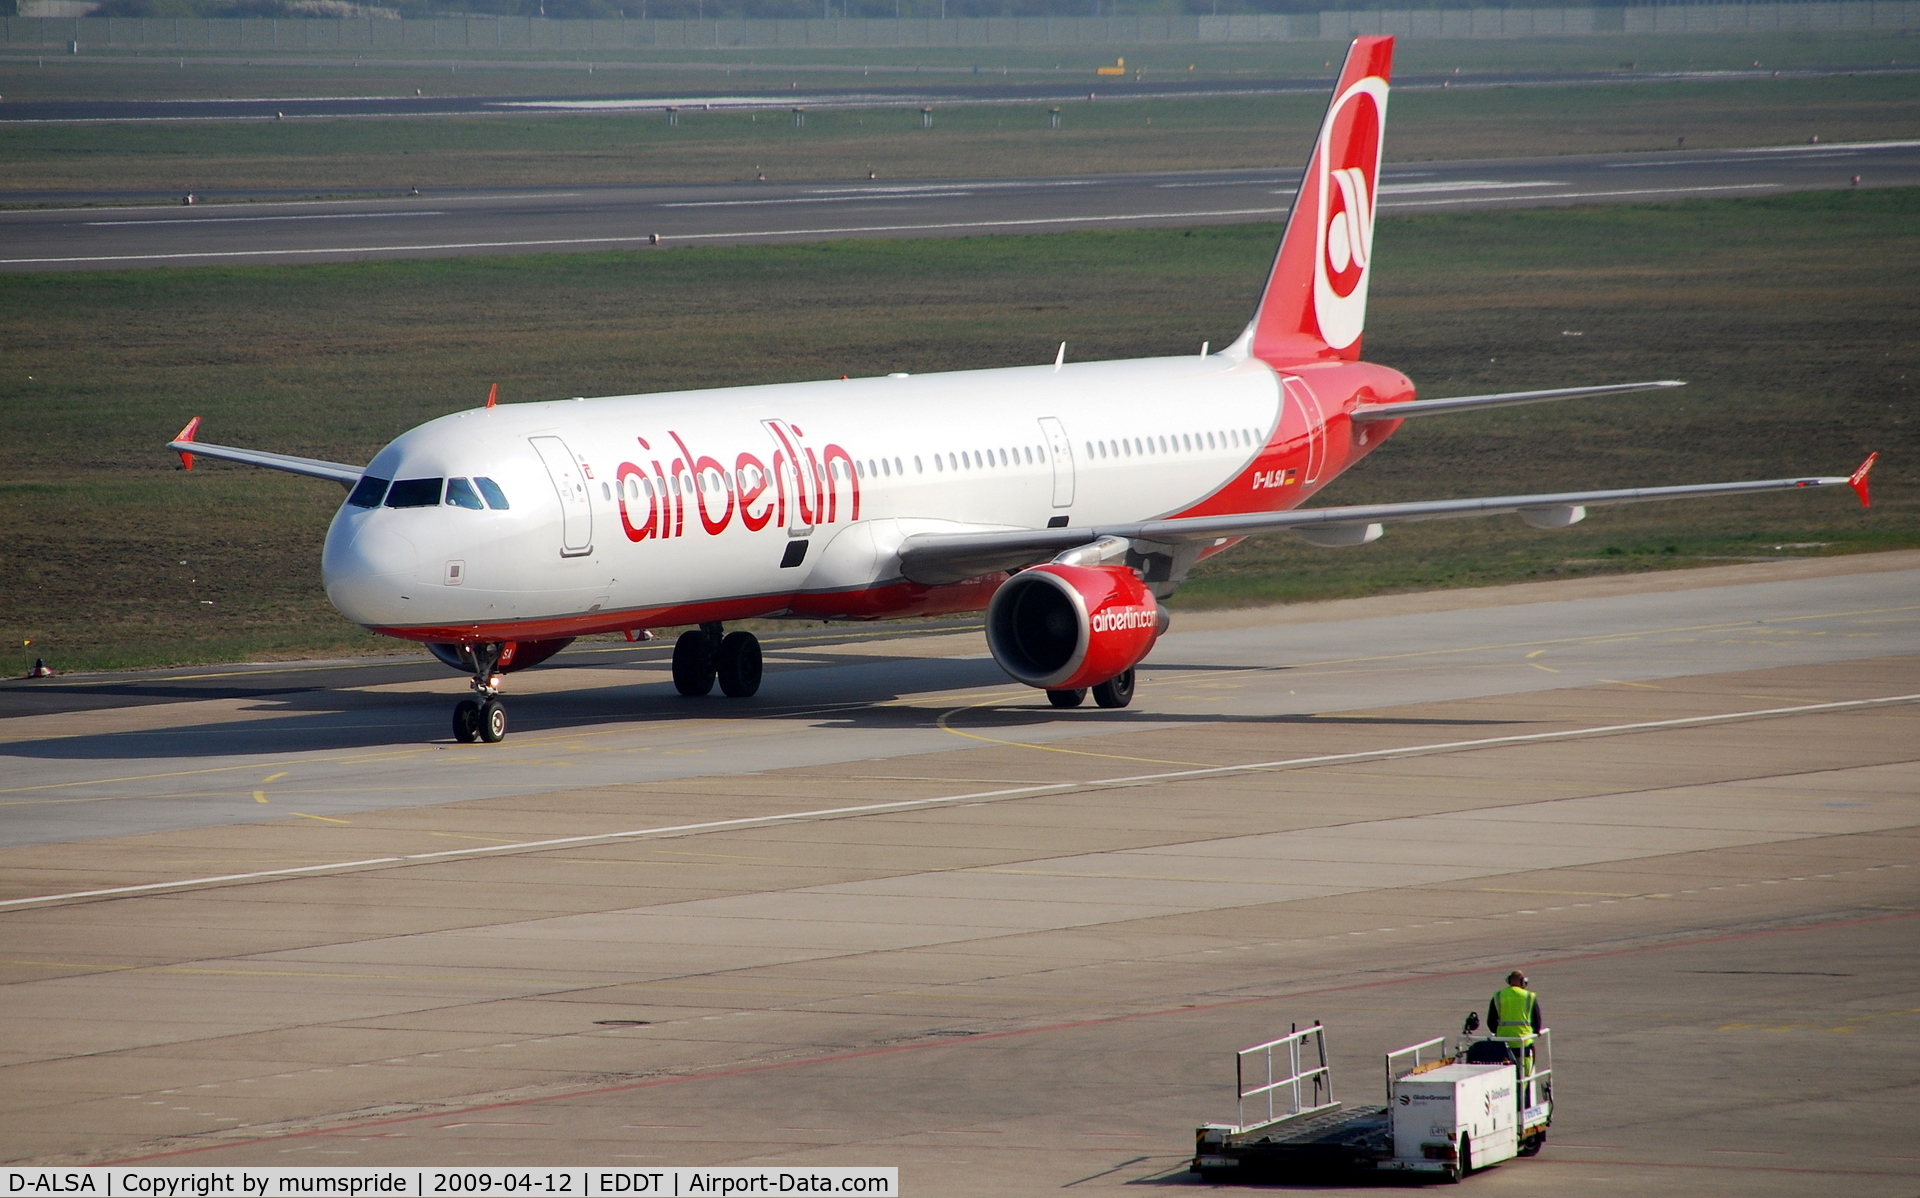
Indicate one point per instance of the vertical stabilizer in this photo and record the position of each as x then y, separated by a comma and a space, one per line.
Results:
1315, 304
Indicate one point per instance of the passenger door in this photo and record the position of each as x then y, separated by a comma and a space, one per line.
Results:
576, 500
1061, 450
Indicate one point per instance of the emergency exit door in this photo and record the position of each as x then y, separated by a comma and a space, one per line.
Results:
1060, 449
576, 501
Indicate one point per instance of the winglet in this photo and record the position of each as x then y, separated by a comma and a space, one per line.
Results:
1858, 479
493, 395
193, 427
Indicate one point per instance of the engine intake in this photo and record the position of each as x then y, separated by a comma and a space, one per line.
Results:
1061, 627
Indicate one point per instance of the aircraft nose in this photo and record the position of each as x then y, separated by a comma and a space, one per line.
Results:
368, 569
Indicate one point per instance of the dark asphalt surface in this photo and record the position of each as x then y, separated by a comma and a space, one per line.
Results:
107, 690
534, 220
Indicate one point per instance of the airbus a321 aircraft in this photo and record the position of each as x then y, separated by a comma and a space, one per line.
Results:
1065, 499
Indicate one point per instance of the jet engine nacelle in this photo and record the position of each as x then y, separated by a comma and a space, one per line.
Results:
1063, 627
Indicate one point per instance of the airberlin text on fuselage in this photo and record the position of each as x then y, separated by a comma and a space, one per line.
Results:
793, 484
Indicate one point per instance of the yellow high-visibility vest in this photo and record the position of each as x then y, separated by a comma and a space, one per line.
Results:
1515, 1008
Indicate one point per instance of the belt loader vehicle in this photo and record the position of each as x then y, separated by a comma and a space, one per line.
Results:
1449, 1110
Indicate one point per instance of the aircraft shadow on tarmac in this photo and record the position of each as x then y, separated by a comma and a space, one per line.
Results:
861, 696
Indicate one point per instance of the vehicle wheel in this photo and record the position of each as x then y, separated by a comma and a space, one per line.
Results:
466, 721
1069, 698
1532, 1145
493, 722
1116, 691
693, 663
738, 664
1466, 1155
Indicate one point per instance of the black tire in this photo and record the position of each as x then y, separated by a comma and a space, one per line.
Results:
1532, 1145
1068, 698
493, 722
737, 665
1466, 1155
466, 721
693, 664
1116, 691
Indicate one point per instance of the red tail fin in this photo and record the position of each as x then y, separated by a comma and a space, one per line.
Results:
1315, 304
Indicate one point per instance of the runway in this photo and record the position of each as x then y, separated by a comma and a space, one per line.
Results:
894, 912
586, 219
882, 86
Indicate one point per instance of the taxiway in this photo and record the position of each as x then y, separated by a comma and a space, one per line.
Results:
895, 912
523, 221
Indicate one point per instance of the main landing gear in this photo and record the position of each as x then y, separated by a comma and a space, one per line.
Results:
1116, 691
483, 717
709, 654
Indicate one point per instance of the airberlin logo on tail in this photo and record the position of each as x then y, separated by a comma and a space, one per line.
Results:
1346, 173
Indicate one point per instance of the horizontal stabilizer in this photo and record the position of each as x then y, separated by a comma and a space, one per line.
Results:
1469, 403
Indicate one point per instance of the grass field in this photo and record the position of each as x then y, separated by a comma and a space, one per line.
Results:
488, 71
334, 156
1794, 318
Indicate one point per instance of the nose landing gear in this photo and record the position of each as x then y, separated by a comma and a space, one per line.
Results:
482, 718
704, 655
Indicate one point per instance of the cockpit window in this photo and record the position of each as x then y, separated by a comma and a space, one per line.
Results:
415, 492
368, 492
460, 493
496, 498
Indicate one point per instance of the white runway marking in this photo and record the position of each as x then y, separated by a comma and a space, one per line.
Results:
977, 796
234, 220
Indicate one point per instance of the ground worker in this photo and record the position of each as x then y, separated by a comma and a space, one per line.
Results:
1514, 1014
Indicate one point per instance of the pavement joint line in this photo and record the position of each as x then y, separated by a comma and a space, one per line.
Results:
1007, 793
743, 1070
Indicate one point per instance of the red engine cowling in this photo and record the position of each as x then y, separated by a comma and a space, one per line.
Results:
1064, 627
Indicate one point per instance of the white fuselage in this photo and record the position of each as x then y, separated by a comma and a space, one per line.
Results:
656, 508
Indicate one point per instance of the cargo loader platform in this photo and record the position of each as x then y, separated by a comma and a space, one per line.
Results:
1447, 1112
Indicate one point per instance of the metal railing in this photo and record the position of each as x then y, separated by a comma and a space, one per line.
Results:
1421, 1060
1297, 1085
1535, 1068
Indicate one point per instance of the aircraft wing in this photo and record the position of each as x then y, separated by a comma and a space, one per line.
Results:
188, 448
934, 558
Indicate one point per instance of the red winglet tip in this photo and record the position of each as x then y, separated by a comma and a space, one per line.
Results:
187, 434
493, 395
1858, 479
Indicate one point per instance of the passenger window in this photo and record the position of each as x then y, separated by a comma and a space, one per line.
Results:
494, 496
917, 467
939, 465
368, 492
460, 493
606, 492
899, 467
885, 469
415, 492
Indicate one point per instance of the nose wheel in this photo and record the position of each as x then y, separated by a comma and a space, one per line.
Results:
479, 721
482, 718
